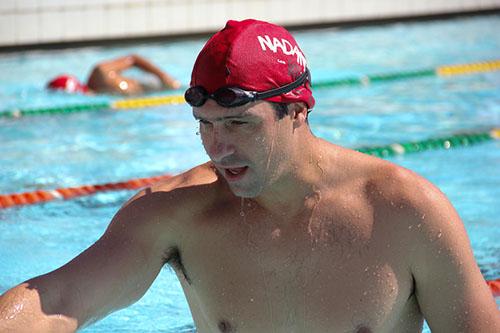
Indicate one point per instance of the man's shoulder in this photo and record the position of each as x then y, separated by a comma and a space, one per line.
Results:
384, 183
407, 198
389, 182
190, 190
170, 205
201, 175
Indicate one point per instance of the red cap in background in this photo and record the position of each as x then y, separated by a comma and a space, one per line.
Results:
253, 55
67, 83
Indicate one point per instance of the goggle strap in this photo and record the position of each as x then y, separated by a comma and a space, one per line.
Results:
283, 89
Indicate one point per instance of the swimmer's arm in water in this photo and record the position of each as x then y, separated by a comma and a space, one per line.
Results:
449, 286
133, 60
113, 273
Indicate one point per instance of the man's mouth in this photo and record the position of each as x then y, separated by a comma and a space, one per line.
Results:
235, 173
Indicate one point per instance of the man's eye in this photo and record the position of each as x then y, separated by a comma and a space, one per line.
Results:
238, 122
204, 122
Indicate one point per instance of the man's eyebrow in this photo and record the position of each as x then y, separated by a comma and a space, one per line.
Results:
239, 116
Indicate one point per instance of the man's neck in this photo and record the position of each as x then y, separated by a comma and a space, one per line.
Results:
301, 184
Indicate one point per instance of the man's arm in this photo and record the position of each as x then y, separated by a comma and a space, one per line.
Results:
449, 286
134, 60
111, 274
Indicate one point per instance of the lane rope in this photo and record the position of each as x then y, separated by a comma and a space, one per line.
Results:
40, 196
146, 102
453, 141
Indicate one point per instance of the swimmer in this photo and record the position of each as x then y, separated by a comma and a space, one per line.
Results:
280, 231
106, 77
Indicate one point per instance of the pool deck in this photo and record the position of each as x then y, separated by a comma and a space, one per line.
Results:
48, 24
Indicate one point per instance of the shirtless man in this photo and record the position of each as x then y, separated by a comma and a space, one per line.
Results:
280, 231
107, 77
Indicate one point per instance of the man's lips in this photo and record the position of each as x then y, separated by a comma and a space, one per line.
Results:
234, 173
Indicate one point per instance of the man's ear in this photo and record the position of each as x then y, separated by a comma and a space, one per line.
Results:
299, 113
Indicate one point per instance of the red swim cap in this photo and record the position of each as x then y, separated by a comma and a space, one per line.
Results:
67, 83
252, 55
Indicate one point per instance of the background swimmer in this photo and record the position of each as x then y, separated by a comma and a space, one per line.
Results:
107, 77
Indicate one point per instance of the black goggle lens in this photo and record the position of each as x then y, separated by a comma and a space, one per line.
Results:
228, 97
196, 96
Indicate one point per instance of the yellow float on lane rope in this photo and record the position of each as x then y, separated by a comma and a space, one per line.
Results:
486, 66
147, 102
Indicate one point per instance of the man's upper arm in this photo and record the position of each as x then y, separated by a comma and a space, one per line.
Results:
112, 273
118, 64
450, 289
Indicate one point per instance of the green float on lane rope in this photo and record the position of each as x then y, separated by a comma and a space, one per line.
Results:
453, 141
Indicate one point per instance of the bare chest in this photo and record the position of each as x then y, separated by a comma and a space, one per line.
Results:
328, 273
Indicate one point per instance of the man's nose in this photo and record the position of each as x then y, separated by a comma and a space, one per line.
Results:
220, 146
219, 150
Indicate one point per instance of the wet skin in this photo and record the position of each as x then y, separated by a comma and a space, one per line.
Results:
330, 270
317, 238
107, 77
113, 82
280, 232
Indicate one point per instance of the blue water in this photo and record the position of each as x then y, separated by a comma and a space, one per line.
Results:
46, 152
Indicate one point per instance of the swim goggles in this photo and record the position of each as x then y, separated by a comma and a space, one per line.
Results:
229, 97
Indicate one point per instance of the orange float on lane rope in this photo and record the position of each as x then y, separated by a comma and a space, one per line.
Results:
39, 196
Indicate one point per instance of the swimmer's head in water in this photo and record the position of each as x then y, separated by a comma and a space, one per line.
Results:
68, 83
254, 56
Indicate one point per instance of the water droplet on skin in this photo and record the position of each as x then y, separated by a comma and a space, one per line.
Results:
365, 293
276, 233
439, 234
251, 299
242, 208
366, 269
423, 217
419, 225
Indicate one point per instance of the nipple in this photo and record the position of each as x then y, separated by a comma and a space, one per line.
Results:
224, 326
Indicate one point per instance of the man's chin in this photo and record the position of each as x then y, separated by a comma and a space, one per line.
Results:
242, 192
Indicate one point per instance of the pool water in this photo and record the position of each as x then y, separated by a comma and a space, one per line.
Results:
47, 152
